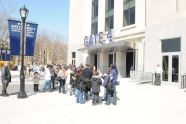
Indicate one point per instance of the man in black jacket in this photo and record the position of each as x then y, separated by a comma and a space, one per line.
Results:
95, 86
87, 75
53, 76
6, 78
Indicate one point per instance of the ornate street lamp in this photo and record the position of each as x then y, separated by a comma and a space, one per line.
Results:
24, 13
6, 48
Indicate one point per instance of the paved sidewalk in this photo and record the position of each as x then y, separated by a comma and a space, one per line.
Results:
137, 104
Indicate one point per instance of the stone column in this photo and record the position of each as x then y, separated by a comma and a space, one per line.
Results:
121, 63
103, 61
140, 55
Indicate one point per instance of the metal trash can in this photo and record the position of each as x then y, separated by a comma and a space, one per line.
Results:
183, 81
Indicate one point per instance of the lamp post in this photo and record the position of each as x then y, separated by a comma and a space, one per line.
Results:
23, 12
6, 47
2, 47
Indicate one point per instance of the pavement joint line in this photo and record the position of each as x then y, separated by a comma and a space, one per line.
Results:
55, 109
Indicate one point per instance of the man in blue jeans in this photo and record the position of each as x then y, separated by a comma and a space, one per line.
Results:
113, 79
110, 95
79, 91
80, 96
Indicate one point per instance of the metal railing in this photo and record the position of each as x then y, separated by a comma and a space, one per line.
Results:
141, 77
183, 81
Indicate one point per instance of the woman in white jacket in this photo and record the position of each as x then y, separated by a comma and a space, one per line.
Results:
69, 71
47, 83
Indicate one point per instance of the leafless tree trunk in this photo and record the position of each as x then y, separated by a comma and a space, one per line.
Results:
50, 50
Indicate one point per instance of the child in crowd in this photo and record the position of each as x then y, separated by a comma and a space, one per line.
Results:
106, 78
36, 78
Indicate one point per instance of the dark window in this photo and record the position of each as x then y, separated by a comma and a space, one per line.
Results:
94, 8
109, 5
129, 16
73, 54
171, 45
109, 22
94, 28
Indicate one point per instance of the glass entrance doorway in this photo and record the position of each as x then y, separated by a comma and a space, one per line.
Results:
130, 62
95, 61
170, 67
112, 59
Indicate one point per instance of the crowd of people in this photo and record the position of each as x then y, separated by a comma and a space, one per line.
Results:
84, 82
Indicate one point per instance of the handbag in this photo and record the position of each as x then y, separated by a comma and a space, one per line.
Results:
118, 82
58, 79
5, 81
110, 86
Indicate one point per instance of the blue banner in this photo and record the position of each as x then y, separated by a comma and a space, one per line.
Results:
30, 38
14, 32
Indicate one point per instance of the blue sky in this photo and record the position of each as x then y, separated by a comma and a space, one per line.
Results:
52, 15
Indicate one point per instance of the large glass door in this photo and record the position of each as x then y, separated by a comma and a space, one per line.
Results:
170, 67
130, 62
112, 59
96, 61
165, 68
175, 68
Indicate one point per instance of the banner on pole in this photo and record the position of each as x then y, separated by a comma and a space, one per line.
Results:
31, 32
14, 34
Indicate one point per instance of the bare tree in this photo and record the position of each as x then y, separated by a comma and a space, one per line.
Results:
6, 9
3, 26
50, 49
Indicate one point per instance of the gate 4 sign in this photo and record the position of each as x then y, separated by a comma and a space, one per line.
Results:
101, 37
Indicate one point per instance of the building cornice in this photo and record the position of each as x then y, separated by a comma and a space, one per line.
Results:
130, 37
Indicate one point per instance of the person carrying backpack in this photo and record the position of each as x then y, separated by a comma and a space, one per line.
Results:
95, 86
87, 75
79, 91
111, 86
